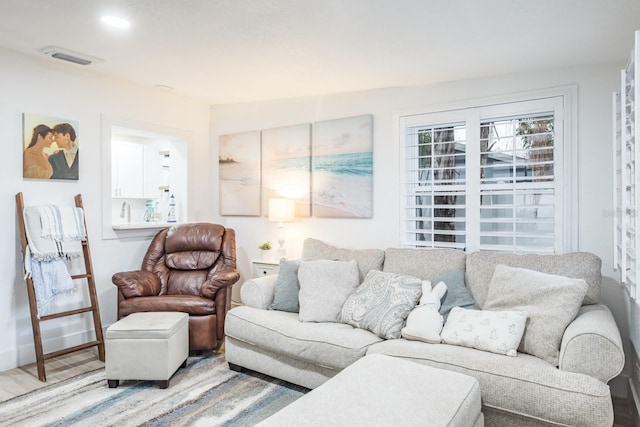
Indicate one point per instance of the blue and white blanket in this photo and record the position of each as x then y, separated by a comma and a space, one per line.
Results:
54, 233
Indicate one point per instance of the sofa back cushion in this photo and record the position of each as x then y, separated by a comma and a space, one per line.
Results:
577, 265
367, 259
425, 264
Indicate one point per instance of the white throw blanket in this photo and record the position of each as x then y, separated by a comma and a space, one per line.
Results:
54, 233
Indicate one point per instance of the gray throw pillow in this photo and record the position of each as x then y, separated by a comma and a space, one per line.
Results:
458, 295
382, 303
324, 287
551, 303
287, 287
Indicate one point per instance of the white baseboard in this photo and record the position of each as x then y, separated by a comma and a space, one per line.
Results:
26, 354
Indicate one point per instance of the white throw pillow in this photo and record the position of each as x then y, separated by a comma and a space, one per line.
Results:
551, 302
382, 303
495, 331
324, 287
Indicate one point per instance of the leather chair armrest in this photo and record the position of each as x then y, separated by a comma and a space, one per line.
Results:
592, 345
137, 283
218, 279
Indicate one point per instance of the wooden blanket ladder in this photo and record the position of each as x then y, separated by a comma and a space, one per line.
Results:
33, 307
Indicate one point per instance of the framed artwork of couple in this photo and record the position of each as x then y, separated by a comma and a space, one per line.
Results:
49, 147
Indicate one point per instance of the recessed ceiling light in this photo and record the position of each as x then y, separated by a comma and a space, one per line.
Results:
115, 21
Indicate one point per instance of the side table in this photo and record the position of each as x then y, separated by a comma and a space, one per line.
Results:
264, 267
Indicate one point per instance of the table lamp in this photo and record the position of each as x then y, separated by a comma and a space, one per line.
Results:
281, 211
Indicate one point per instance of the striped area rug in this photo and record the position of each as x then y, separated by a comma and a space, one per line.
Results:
205, 393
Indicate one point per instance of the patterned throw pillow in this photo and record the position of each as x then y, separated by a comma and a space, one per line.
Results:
382, 303
495, 331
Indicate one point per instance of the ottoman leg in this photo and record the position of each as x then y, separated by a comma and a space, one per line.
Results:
184, 364
163, 384
113, 383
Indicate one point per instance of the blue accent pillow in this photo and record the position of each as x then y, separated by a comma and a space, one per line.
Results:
458, 295
285, 297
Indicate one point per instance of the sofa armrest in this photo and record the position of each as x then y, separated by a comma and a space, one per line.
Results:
258, 292
592, 345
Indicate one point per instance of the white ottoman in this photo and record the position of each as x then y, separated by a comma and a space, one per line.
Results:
380, 390
147, 346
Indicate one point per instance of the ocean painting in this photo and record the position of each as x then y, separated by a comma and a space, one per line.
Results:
239, 183
286, 166
342, 167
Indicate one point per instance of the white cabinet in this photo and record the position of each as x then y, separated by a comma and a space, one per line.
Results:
127, 169
265, 268
136, 170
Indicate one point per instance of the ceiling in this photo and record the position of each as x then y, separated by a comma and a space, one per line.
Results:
229, 51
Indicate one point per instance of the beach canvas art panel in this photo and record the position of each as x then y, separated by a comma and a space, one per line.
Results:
342, 167
239, 183
286, 166
50, 147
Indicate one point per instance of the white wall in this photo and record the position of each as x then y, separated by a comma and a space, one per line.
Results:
595, 85
58, 89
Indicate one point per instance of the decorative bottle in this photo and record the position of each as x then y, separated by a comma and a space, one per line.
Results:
171, 217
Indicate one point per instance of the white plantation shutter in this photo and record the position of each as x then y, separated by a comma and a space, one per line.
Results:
485, 178
517, 185
435, 197
626, 151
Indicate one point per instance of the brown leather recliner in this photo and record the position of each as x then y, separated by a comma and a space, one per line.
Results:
188, 268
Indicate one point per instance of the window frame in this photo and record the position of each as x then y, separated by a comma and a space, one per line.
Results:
562, 101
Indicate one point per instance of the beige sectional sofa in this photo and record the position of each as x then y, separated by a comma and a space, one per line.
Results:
523, 390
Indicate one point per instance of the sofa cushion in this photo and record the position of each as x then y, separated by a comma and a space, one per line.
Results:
382, 303
525, 385
285, 296
425, 264
367, 259
495, 331
327, 344
324, 287
458, 295
551, 303
579, 265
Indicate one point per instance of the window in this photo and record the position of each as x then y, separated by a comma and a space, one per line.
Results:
486, 178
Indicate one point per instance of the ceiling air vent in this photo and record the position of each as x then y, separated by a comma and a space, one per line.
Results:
68, 55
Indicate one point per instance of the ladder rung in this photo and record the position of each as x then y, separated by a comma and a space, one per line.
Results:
81, 276
71, 349
66, 313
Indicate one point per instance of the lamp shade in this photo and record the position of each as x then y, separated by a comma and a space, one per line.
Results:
282, 210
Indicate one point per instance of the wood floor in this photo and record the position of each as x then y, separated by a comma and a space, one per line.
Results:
15, 382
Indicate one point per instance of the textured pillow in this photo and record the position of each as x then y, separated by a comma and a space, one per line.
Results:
382, 303
458, 295
495, 331
367, 259
578, 265
551, 302
287, 287
324, 287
